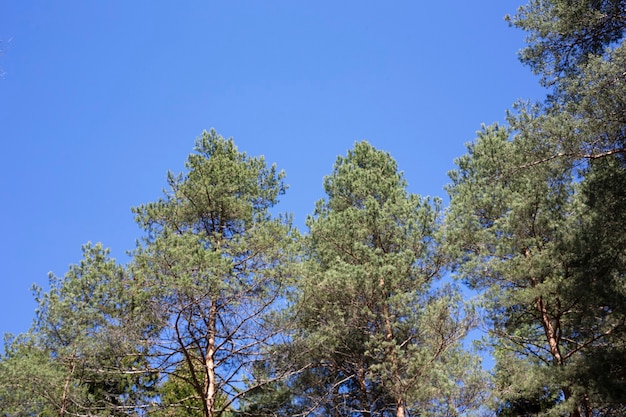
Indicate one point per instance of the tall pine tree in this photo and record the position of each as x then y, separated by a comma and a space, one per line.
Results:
212, 264
380, 340
537, 215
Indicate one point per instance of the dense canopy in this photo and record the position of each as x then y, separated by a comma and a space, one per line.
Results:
226, 309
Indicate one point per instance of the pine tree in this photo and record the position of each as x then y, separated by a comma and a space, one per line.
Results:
534, 214
521, 233
85, 353
213, 266
380, 340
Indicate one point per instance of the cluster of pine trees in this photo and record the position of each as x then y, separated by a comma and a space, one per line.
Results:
226, 310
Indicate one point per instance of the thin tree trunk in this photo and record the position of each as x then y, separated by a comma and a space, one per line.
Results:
66, 386
550, 331
400, 408
552, 336
209, 381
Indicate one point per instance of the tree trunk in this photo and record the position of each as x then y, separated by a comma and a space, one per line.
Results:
550, 331
209, 381
66, 386
400, 408
552, 336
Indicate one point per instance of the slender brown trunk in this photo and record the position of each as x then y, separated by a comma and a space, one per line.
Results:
550, 331
400, 409
66, 386
555, 350
209, 381
552, 336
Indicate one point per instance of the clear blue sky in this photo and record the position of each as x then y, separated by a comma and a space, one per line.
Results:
101, 98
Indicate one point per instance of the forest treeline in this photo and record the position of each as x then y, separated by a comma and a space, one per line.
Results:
227, 310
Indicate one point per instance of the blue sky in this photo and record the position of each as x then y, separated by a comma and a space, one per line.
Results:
100, 99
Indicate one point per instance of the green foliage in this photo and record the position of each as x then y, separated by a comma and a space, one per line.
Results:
273, 396
564, 34
378, 340
213, 265
536, 219
30, 382
84, 353
178, 397
527, 235
210, 320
